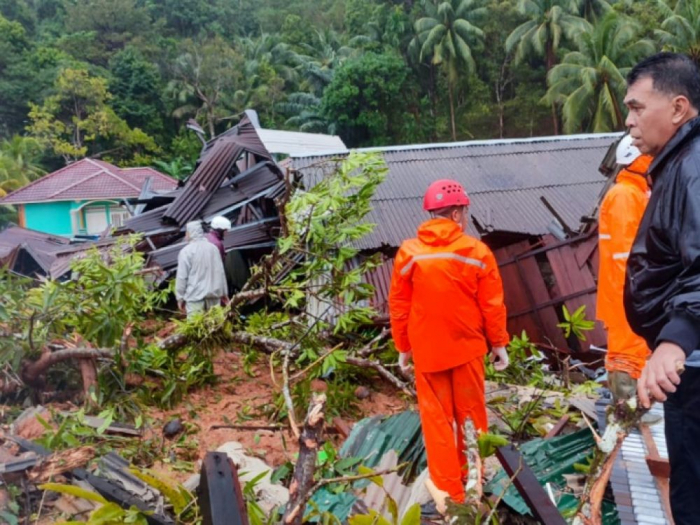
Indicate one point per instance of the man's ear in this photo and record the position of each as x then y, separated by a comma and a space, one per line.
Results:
682, 110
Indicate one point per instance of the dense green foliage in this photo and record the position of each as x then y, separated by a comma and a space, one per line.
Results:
120, 78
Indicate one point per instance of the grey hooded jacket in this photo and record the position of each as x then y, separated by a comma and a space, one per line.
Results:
200, 272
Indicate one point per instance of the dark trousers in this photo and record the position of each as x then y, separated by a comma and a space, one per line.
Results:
682, 416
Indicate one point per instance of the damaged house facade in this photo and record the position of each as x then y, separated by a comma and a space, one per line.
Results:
85, 198
533, 203
236, 176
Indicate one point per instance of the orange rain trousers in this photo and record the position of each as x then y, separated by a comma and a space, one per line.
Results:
620, 214
445, 400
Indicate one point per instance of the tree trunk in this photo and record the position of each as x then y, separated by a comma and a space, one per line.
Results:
452, 110
309, 445
618, 112
88, 369
551, 61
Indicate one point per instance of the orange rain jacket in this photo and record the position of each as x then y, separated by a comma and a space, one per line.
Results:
620, 214
446, 304
446, 299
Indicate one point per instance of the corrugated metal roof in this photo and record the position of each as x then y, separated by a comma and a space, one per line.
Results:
549, 460
41, 247
240, 236
253, 182
631, 478
219, 160
504, 178
90, 179
298, 143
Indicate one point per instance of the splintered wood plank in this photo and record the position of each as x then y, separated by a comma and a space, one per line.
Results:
571, 279
529, 488
525, 290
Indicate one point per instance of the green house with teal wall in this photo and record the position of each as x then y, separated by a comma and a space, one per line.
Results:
85, 198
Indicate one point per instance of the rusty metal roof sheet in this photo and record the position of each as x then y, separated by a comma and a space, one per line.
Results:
504, 178
18, 246
219, 161
252, 183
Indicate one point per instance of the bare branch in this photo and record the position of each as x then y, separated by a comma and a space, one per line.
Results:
287, 394
376, 365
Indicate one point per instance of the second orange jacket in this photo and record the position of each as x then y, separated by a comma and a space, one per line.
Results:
620, 215
446, 299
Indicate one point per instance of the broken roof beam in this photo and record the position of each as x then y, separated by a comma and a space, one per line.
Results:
255, 183
529, 488
251, 233
221, 499
218, 161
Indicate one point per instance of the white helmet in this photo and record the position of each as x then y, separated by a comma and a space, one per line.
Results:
220, 223
626, 153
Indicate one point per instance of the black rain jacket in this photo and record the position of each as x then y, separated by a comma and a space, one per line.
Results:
662, 285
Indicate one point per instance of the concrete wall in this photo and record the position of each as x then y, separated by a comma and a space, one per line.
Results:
49, 217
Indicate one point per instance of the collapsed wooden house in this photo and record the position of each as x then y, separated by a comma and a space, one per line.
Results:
533, 203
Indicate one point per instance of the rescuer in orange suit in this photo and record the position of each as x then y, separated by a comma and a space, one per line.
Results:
620, 214
446, 308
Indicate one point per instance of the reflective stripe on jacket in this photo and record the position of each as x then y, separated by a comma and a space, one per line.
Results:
446, 299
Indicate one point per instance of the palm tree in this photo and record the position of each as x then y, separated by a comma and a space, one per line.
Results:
541, 35
590, 83
591, 10
680, 31
177, 168
19, 163
446, 35
306, 112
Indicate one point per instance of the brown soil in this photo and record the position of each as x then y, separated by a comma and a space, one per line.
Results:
240, 398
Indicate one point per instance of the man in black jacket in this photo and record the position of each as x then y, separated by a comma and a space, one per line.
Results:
662, 288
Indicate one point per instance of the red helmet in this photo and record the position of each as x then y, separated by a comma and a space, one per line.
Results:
443, 193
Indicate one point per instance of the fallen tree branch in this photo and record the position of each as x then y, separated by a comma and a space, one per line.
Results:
369, 349
173, 342
33, 370
60, 462
376, 365
268, 344
309, 445
248, 295
301, 373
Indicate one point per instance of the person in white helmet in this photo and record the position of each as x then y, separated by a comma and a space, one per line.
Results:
201, 281
620, 215
219, 226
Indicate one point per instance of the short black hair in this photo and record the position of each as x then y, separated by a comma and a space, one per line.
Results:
671, 73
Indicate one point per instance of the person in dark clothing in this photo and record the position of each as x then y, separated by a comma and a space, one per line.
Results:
662, 286
219, 226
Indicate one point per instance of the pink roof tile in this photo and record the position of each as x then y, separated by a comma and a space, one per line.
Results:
90, 179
